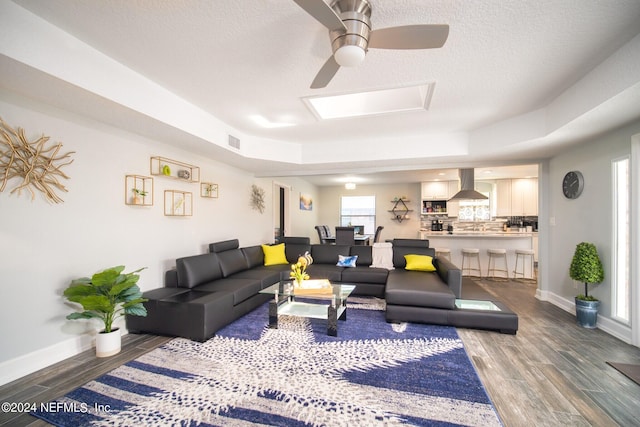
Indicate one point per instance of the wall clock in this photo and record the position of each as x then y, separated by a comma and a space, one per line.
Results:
572, 184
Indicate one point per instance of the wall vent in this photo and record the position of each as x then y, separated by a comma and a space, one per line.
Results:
234, 142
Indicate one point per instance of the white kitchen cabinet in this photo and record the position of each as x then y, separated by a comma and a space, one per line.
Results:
435, 190
453, 208
441, 191
524, 197
517, 197
503, 199
454, 187
531, 203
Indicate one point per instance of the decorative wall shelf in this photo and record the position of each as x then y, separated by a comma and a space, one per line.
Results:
138, 190
178, 203
209, 190
400, 210
161, 166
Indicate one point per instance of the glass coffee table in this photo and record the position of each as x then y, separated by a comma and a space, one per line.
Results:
327, 304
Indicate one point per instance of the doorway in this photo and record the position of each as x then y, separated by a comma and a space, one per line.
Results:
281, 214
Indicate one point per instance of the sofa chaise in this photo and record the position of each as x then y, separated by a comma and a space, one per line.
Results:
411, 298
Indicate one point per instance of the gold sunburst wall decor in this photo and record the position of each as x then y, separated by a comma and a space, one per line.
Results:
39, 166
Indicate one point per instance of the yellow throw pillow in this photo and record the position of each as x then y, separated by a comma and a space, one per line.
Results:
274, 255
419, 263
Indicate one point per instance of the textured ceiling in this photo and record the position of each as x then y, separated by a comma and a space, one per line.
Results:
502, 61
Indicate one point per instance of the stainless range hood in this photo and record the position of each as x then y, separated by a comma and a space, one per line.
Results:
467, 185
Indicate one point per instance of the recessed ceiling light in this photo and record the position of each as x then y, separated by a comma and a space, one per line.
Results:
350, 178
266, 123
383, 101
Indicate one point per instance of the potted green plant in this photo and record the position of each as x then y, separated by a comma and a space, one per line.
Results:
107, 295
586, 267
138, 196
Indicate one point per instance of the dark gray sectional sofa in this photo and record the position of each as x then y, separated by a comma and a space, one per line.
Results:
208, 291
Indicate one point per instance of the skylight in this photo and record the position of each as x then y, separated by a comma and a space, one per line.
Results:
384, 101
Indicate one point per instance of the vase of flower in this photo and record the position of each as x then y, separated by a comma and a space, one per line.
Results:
299, 270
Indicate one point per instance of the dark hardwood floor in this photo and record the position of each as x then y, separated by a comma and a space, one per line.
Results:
552, 373
57, 380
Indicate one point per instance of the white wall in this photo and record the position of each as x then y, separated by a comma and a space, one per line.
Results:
329, 205
302, 221
587, 218
44, 246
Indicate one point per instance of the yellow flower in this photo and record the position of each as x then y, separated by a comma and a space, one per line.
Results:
298, 270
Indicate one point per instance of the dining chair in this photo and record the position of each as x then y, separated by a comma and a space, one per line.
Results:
376, 237
324, 233
345, 236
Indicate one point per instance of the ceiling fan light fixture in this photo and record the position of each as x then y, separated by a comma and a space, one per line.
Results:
349, 56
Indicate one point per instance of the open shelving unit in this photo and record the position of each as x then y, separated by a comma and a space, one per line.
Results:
209, 190
143, 196
434, 207
178, 203
400, 210
162, 166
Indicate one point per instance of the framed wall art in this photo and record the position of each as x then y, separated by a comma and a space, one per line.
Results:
306, 202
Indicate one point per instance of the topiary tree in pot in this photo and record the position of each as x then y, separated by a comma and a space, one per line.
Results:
107, 295
586, 267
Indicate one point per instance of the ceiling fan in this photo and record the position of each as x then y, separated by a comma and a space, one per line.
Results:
351, 34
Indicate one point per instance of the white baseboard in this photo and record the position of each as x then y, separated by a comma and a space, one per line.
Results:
21, 366
605, 324
617, 329
13, 369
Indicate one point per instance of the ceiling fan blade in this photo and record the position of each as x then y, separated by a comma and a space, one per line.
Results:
326, 73
323, 13
409, 37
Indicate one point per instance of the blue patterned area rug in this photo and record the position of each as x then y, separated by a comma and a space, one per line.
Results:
373, 373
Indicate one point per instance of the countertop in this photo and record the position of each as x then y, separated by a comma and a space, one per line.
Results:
477, 234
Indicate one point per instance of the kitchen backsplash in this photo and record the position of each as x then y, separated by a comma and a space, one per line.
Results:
497, 225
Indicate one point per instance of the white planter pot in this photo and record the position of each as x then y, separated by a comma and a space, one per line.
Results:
108, 344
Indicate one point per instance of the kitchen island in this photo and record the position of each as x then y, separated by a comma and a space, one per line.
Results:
483, 240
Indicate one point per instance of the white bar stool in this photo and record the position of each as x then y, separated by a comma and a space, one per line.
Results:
443, 253
495, 255
469, 254
524, 254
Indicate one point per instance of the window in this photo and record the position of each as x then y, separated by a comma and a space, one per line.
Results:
475, 210
620, 281
359, 210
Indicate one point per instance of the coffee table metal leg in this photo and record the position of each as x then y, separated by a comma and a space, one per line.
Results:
332, 321
343, 316
273, 314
